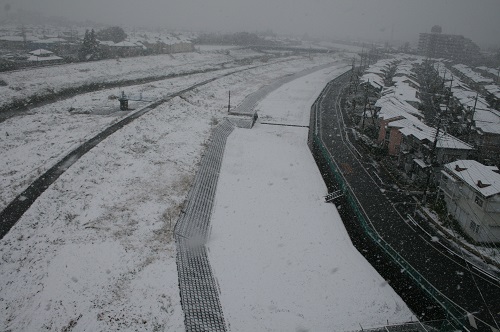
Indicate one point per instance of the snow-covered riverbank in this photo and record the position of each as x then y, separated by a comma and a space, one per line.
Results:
95, 251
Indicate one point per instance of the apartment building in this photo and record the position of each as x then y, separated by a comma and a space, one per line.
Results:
453, 47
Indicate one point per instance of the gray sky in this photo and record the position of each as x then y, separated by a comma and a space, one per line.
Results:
374, 19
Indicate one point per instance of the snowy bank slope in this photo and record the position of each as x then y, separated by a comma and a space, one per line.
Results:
282, 257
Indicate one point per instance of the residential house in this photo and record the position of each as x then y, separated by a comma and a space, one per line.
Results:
472, 195
42, 57
405, 93
485, 133
412, 142
492, 92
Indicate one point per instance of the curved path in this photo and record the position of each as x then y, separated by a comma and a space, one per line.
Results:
474, 294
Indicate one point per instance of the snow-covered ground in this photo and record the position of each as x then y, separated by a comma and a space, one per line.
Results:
95, 251
28, 83
282, 257
39, 81
215, 48
34, 142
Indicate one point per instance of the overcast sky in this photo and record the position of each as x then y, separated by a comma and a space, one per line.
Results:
374, 19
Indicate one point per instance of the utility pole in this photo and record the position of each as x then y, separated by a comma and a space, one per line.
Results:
431, 159
364, 107
469, 126
23, 34
363, 63
229, 103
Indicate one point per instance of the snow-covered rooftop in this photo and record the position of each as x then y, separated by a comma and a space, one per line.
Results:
409, 125
467, 98
391, 107
41, 52
125, 43
404, 92
44, 58
493, 89
405, 79
478, 176
425, 133
373, 79
493, 71
471, 74
487, 121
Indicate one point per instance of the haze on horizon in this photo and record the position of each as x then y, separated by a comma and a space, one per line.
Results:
380, 20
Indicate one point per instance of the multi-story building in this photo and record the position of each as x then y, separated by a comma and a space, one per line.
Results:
472, 195
453, 47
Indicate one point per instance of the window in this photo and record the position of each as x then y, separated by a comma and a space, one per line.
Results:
478, 201
474, 227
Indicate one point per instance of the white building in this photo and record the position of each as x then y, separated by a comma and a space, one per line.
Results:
472, 195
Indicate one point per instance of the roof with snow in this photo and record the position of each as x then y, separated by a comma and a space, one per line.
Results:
493, 71
125, 44
471, 74
478, 176
423, 132
405, 79
380, 67
487, 121
467, 98
403, 115
403, 92
373, 79
391, 106
44, 58
493, 89
41, 52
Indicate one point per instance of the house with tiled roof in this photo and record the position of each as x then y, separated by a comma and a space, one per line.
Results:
416, 145
472, 194
42, 56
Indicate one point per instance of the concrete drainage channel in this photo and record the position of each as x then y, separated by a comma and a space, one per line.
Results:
198, 287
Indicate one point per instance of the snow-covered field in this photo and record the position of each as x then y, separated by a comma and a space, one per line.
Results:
25, 84
33, 143
282, 257
95, 251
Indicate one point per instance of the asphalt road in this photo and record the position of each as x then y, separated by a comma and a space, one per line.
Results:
453, 276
